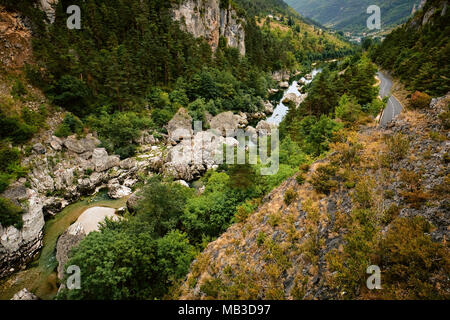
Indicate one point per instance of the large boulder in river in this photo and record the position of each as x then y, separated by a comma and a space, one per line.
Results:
180, 126
293, 98
264, 128
268, 107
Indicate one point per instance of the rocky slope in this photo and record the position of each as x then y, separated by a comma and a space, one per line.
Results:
288, 248
208, 19
15, 40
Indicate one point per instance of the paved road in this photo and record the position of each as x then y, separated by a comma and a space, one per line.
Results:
393, 106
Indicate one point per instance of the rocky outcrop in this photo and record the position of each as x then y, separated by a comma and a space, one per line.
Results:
86, 223
192, 157
69, 239
24, 294
226, 123
17, 247
15, 41
116, 190
102, 161
208, 19
48, 6
295, 99
87, 144
180, 126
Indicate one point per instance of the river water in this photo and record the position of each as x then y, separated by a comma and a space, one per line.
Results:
281, 109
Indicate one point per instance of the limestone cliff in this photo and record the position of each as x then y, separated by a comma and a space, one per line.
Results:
206, 18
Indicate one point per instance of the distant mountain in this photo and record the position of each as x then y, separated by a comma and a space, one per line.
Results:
351, 15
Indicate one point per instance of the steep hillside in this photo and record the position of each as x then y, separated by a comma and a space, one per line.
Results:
418, 52
351, 15
379, 198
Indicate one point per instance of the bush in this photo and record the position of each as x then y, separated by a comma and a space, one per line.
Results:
70, 125
300, 178
414, 267
363, 194
10, 214
420, 100
260, 238
18, 89
244, 210
322, 179
391, 213
289, 196
398, 145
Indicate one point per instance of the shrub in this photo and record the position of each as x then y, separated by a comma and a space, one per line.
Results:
18, 89
70, 125
398, 145
391, 213
244, 210
10, 214
322, 179
304, 167
260, 238
363, 194
289, 196
300, 178
445, 119
420, 100
414, 267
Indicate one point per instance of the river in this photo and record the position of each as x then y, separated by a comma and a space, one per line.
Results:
281, 109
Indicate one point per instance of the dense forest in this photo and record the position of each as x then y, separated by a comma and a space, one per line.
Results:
419, 52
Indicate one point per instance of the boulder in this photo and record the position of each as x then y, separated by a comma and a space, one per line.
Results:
295, 99
24, 294
263, 127
53, 206
128, 164
226, 123
56, 143
284, 85
89, 143
102, 161
39, 148
183, 183
116, 190
268, 107
180, 127
133, 200
146, 139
